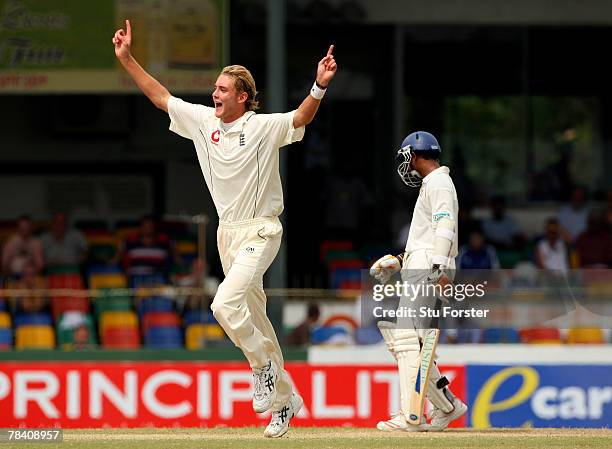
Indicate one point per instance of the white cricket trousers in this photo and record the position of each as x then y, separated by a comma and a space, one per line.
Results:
247, 248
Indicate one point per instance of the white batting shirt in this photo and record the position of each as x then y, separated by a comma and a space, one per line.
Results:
437, 199
240, 165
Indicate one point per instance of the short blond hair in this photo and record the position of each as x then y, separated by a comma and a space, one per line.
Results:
244, 82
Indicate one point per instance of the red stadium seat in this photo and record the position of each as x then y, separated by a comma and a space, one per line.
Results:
159, 319
60, 305
540, 335
121, 338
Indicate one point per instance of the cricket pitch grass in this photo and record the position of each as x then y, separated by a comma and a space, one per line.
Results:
324, 438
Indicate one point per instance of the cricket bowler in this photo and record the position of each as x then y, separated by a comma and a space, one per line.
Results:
238, 152
429, 258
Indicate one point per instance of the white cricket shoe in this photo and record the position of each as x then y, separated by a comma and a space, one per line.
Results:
440, 420
279, 424
264, 387
398, 422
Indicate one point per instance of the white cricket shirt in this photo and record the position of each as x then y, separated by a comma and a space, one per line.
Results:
437, 199
240, 165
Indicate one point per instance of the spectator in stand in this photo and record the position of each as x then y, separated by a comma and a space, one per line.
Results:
467, 224
21, 249
500, 229
63, 246
594, 246
477, 255
552, 252
300, 336
30, 301
201, 279
148, 252
573, 216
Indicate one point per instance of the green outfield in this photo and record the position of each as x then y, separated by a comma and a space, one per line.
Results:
332, 438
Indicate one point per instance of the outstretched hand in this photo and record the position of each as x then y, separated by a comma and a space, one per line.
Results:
327, 68
123, 41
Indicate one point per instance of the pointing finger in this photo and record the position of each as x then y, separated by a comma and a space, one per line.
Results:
331, 49
128, 27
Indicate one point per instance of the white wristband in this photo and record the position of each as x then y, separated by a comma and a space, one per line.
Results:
316, 92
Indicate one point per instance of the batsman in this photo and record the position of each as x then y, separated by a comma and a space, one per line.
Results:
429, 259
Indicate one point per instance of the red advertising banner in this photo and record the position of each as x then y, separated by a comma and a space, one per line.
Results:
191, 394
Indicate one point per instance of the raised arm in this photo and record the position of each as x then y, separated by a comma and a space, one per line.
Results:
152, 88
325, 72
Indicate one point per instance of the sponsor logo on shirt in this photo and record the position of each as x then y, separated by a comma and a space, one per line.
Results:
250, 249
241, 143
215, 136
440, 215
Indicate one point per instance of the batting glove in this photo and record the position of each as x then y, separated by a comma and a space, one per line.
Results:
385, 267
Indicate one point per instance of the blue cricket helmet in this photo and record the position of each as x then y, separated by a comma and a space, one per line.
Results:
419, 141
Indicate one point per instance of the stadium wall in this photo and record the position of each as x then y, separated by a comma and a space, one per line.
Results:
524, 386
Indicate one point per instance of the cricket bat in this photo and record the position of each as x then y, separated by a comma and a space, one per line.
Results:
426, 356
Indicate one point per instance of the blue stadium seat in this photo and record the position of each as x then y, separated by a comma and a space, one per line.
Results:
345, 274
501, 335
33, 319
467, 336
198, 316
155, 304
103, 269
146, 280
169, 337
6, 338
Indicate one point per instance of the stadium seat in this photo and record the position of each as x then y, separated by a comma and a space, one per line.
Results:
198, 316
329, 245
25, 319
121, 338
63, 304
5, 320
159, 319
198, 334
155, 304
186, 249
585, 335
6, 338
35, 337
345, 275
146, 280
167, 337
107, 280
501, 335
117, 319
66, 280
108, 302
63, 270
540, 335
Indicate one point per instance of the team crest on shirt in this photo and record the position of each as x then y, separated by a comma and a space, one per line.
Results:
215, 136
